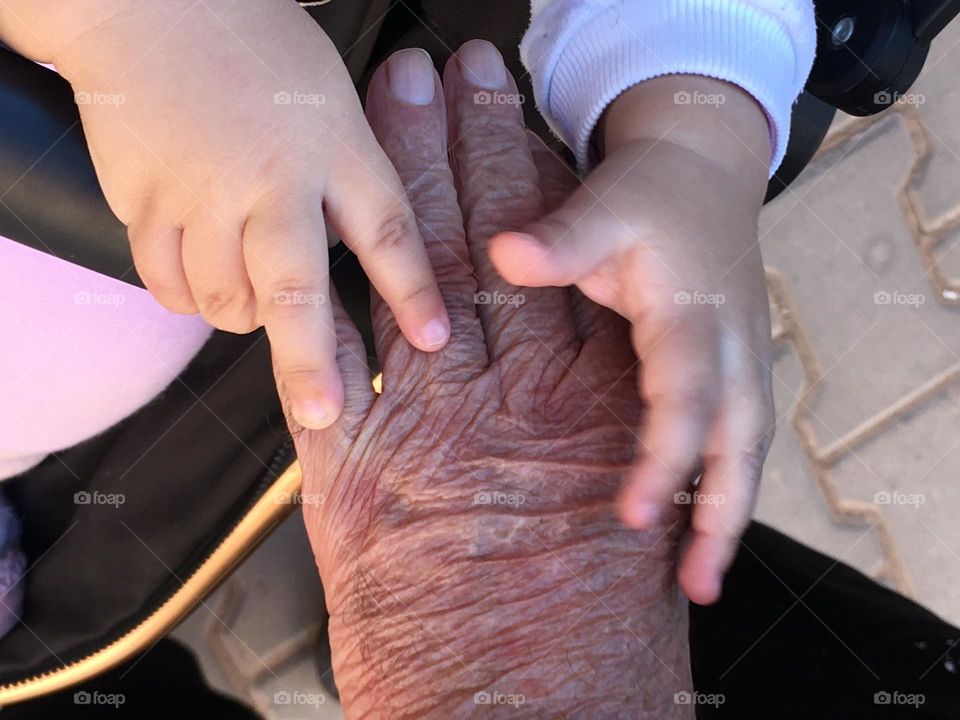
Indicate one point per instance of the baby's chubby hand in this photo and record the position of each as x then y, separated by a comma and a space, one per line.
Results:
223, 133
664, 231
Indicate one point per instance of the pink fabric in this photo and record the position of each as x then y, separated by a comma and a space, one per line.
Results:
78, 353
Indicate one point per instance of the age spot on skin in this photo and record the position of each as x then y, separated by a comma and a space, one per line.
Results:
508, 533
496, 535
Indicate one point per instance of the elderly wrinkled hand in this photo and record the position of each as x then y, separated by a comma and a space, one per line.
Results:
463, 520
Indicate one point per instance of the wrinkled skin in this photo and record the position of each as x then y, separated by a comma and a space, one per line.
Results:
463, 521
664, 232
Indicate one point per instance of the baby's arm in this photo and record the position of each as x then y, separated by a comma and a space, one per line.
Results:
224, 133
685, 105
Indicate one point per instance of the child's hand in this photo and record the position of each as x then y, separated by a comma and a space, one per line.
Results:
222, 133
664, 231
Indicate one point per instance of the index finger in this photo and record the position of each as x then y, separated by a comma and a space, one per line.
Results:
406, 110
285, 253
368, 206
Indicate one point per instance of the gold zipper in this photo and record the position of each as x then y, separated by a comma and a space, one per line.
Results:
267, 512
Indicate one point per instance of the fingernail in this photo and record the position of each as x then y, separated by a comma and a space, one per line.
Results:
716, 586
531, 239
481, 64
312, 414
646, 514
410, 76
435, 333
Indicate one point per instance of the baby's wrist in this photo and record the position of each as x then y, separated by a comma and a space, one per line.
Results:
717, 120
41, 29
96, 37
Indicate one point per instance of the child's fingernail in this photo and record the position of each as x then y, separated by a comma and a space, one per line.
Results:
435, 333
481, 64
530, 239
716, 586
410, 76
646, 514
313, 415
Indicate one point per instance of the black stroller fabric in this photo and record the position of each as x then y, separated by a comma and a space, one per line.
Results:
113, 526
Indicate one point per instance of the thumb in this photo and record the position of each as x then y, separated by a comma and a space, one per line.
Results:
562, 247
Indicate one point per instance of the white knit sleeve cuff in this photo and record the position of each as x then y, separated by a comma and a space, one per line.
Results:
582, 54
